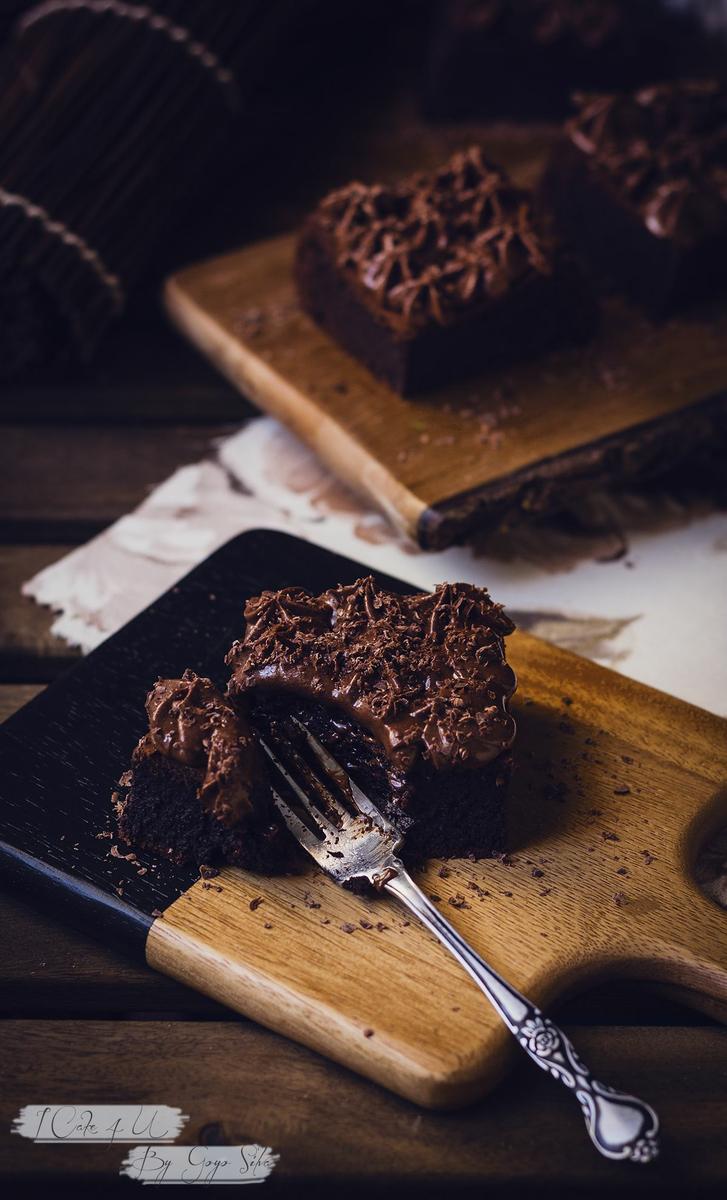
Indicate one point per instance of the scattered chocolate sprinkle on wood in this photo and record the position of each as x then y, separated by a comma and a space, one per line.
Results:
381, 927
267, 925
368, 1033
435, 898
212, 887
207, 872
506, 893
609, 836
622, 871
365, 924
444, 872
347, 927
647, 857
255, 903
545, 891
537, 873
309, 901
620, 898
325, 920
458, 901
623, 790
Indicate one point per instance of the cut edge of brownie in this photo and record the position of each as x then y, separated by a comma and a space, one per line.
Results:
456, 813
159, 810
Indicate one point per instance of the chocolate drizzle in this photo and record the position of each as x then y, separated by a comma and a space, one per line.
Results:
425, 674
191, 722
664, 149
438, 244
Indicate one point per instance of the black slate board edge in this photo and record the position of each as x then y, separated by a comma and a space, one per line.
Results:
63, 752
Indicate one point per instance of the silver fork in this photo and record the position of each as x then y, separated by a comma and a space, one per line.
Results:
355, 841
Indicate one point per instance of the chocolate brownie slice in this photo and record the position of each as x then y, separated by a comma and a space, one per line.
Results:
410, 693
639, 184
440, 276
198, 789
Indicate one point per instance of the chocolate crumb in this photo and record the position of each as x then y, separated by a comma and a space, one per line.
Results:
622, 791
347, 927
537, 873
207, 872
444, 872
620, 898
622, 871
609, 836
368, 1033
267, 925
255, 903
458, 901
365, 924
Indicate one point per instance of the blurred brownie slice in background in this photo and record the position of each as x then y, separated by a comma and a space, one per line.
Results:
409, 692
439, 276
639, 185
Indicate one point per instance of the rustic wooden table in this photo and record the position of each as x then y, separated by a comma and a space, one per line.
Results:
82, 1024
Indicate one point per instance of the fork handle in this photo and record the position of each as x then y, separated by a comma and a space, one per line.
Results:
620, 1126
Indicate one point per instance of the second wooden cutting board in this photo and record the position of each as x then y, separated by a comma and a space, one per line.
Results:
457, 459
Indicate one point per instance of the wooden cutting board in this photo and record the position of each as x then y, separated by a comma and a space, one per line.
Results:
459, 458
616, 786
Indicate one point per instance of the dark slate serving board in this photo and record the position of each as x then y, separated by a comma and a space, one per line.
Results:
61, 755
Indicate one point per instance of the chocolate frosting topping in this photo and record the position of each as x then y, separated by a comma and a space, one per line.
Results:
437, 244
425, 674
664, 149
191, 722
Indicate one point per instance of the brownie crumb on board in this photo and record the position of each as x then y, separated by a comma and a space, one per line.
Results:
255, 903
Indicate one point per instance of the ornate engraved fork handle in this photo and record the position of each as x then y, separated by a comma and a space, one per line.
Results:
620, 1126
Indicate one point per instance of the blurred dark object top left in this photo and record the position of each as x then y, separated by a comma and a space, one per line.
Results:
113, 118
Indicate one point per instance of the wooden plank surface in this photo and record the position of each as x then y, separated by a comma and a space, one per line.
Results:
239, 1083
523, 1142
64, 483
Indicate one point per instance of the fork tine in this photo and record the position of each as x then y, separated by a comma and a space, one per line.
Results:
326, 826
298, 828
334, 768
